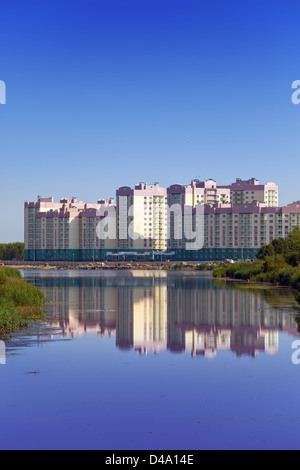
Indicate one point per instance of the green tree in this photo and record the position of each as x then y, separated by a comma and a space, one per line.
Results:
295, 234
9, 251
266, 250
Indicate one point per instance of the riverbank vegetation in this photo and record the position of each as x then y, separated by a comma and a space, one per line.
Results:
20, 301
276, 263
184, 266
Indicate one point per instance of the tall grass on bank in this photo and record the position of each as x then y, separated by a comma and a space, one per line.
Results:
273, 269
243, 270
19, 301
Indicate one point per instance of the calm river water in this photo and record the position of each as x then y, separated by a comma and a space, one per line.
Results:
152, 360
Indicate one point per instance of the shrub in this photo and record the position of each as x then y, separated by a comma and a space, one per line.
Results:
262, 277
178, 266
10, 272
18, 300
293, 259
219, 272
204, 267
295, 279
21, 293
272, 263
10, 319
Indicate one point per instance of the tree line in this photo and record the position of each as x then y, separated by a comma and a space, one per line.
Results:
9, 251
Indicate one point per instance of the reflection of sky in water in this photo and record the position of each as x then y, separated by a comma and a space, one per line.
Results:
91, 389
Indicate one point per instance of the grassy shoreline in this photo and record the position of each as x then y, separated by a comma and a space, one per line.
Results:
20, 301
271, 270
276, 263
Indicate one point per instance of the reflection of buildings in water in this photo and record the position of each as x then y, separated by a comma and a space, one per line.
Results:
153, 311
135, 306
142, 319
150, 321
83, 307
244, 342
203, 318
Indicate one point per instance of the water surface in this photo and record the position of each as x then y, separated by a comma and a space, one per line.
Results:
152, 360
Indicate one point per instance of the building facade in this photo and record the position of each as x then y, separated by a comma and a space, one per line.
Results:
65, 231
238, 232
246, 191
142, 218
151, 222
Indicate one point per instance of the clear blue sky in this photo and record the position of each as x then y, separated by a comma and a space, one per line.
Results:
107, 93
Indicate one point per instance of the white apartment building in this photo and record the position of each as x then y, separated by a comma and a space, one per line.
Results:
142, 217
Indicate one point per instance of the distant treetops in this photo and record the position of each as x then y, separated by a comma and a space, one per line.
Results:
9, 251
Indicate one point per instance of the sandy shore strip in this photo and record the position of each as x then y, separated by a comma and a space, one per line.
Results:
117, 265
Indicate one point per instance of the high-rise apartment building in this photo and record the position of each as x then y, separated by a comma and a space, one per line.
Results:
239, 192
152, 222
238, 232
142, 217
245, 191
198, 192
64, 230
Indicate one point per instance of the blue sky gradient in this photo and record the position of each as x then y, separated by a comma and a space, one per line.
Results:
107, 93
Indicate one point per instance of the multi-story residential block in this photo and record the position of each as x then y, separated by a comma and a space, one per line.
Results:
97, 230
142, 217
181, 200
64, 230
200, 221
239, 192
198, 192
245, 191
238, 232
